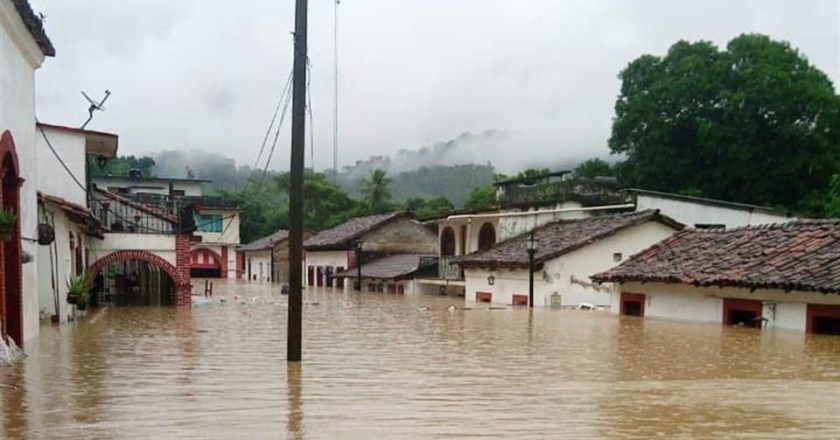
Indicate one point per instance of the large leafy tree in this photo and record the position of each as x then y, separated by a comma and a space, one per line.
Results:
753, 123
594, 168
376, 192
325, 205
429, 208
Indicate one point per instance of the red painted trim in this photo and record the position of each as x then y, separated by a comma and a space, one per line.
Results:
484, 297
224, 273
632, 297
519, 300
11, 269
815, 311
733, 304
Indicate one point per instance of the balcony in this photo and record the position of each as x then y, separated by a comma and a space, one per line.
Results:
449, 269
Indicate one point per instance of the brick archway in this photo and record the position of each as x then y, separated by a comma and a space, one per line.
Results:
183, 289
11, 270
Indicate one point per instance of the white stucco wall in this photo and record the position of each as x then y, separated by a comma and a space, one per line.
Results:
62, 265
19, 58
568, 275
705, 304
260, 263
334, 259
150, 186
162, 245
53, 179
692, 213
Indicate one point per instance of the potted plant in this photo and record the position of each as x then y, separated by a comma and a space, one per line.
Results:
78, 290
7, 223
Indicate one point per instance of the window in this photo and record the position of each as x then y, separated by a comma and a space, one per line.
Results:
617, 257
486, 236
447, 242
209, 222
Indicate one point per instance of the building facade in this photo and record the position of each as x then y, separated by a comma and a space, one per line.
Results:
335, 250
773, 276
566, 253
23, 48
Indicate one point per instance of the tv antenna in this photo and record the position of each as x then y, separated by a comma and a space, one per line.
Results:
95, 106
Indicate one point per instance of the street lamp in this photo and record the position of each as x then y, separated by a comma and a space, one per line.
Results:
357, 245
531, 247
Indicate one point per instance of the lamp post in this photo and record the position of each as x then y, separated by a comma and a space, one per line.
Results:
531, 246
357, 245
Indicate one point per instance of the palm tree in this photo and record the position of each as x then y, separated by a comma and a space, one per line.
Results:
376, 192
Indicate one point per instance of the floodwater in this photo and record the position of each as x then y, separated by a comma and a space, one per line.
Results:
383, 366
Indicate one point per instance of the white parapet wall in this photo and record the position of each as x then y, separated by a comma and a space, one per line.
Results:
158, 244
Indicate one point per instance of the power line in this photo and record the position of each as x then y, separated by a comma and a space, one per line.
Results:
273, 118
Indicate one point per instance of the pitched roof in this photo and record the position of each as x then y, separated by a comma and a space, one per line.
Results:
558, 238
35, 26
266, 242
341, 236
391, 267
802, 255
75, 212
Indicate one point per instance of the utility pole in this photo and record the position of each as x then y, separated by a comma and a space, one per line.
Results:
295, 322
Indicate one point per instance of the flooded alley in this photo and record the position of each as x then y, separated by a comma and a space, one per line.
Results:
406, 366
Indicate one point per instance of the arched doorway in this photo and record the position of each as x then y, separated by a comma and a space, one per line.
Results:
486, 236
204, 263
447, 242
180, 282
11, 291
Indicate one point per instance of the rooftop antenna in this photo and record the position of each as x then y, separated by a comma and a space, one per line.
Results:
335, 91
95, 106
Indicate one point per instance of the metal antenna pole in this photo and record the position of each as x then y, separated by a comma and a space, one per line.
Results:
295, 323
335, 90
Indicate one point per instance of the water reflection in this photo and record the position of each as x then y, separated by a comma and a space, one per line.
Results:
389, 366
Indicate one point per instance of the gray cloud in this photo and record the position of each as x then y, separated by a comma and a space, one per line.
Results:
207, 75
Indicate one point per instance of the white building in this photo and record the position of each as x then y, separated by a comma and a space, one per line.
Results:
775, 276
567, 252
333, 251
700, 212
62, 206
23, 47
150, 186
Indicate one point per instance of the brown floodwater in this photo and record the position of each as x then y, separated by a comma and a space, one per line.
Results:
386, 366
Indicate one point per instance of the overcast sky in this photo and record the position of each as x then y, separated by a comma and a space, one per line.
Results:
207, 73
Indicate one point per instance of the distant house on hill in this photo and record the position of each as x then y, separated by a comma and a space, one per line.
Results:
367, 238
567, 251
775, 276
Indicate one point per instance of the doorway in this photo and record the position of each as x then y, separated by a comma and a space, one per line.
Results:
632, 304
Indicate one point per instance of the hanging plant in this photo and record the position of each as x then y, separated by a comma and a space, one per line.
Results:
7, 223
78, 290
46, 234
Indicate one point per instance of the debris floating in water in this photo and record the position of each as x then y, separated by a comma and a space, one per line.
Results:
9, 351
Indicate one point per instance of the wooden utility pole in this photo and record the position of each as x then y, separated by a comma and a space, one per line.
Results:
295, 322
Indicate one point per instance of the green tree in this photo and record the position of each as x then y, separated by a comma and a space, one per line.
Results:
483, 197
429, 208
324, 204
754, 123
832, 206
593, 168
376, 193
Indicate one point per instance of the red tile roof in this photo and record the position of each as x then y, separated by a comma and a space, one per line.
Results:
35, 26
75, 212
265, 243
342, 236
394, 267
801, 256
558, 238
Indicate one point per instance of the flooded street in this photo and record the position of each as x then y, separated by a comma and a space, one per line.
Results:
384, 366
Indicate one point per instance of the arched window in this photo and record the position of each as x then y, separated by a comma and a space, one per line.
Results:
486, 236
447, 242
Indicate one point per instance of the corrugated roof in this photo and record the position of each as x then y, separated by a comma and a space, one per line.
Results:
266, 242
35, 26
802, 255
388, 268
558, 238
341, 236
